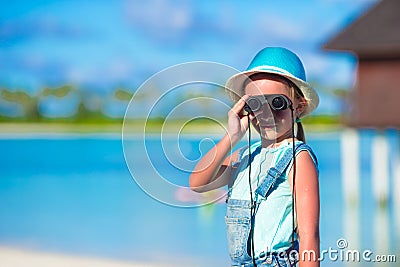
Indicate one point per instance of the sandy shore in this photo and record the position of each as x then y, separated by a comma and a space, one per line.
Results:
14, 257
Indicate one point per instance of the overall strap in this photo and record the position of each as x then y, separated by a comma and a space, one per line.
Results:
274, 173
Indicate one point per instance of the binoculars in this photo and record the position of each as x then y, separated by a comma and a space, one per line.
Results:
276, 102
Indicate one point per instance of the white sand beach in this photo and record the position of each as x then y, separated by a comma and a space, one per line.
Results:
15, 257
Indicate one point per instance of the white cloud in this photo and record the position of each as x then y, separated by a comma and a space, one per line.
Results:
280, 27
159, 16
332, 71
347, 1
120, 69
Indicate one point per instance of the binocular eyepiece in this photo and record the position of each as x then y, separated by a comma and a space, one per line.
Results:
276, 102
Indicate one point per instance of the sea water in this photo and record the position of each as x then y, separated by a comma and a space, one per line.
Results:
76, 194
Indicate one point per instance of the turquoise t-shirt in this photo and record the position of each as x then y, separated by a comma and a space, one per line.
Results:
273, 221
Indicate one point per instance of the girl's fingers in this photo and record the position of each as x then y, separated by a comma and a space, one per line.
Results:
237, 108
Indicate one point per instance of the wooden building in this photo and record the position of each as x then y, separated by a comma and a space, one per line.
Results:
375, 39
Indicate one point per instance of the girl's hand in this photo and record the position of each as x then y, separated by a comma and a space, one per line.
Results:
237, 121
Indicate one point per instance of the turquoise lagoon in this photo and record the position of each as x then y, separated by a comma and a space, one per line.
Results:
74, 194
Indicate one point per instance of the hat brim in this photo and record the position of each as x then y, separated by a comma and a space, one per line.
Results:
234, 87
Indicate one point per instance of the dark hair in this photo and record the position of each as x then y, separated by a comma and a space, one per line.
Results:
300, 132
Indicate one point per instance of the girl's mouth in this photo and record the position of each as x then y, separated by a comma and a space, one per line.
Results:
267, 124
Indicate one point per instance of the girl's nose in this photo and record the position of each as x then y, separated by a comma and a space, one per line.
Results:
264, 112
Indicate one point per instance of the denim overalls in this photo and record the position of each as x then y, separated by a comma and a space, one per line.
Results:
238, 217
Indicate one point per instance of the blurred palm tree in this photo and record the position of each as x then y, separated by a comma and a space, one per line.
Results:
123, 94
60, 92
29, 103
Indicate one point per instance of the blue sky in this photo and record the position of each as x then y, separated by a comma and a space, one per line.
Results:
104, 44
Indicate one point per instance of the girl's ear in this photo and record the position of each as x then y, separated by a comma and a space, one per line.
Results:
301, 106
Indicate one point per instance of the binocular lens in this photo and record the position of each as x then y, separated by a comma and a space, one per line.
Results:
254, 104
276, 102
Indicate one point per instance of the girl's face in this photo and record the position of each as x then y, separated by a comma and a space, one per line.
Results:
271, 124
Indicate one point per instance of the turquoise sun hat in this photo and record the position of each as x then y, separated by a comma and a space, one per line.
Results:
280, 61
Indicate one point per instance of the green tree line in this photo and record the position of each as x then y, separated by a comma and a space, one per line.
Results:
30, 104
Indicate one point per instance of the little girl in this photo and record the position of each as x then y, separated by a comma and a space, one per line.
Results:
273, 199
